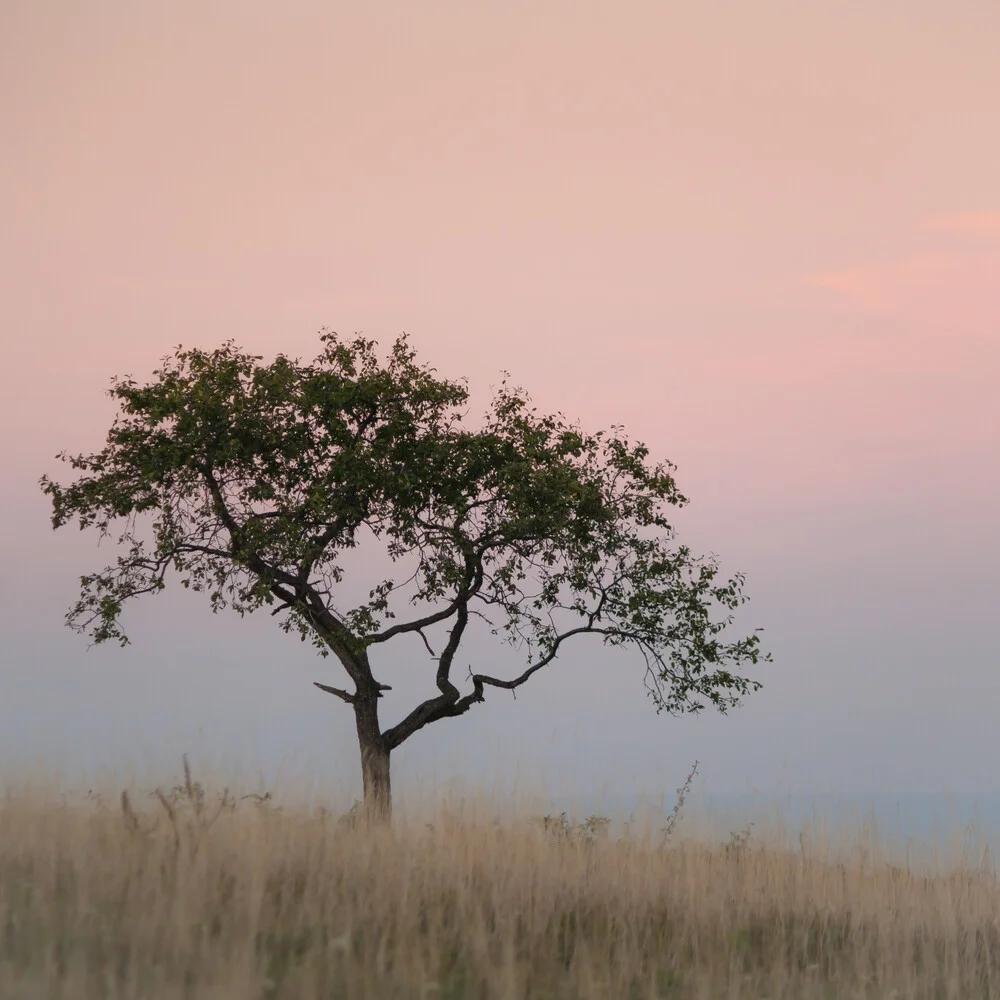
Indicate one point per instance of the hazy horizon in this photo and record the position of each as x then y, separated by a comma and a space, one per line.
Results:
766, 239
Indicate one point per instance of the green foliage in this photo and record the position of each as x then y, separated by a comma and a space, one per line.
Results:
250, 481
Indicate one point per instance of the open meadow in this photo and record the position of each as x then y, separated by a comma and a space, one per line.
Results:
189, 893
499, 406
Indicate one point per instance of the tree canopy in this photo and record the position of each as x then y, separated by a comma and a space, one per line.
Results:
250, 482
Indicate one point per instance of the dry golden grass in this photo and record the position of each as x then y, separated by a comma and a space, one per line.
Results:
178, 898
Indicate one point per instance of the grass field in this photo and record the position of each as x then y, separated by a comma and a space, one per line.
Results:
184, 894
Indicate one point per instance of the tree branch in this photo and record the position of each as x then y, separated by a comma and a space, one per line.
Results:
416, 625
474, 581
447, 704
444, 684
420, 632
343, 695
481, 680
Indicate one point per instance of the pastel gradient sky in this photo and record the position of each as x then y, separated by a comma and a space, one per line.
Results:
764, 236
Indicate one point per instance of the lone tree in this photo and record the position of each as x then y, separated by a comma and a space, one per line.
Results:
258, 478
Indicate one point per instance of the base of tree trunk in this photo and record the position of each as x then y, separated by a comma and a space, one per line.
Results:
374, 765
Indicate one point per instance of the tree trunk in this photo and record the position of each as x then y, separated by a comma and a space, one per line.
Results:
374, 761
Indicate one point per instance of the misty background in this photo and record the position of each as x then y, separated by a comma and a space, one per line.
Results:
766, 240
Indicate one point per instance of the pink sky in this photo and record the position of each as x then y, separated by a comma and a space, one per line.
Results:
766, 237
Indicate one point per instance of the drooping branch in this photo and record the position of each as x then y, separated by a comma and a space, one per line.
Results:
449, 704
427, 645
105, 592
479, 681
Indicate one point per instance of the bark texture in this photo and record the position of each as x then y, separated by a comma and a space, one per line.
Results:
374, 760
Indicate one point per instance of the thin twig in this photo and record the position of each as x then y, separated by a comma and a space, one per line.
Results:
682, 794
